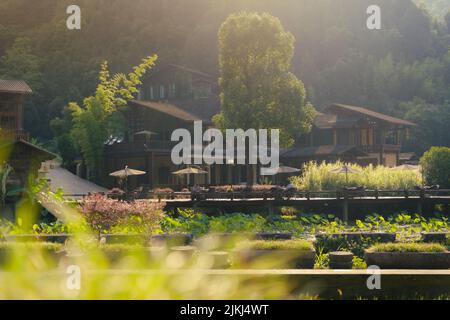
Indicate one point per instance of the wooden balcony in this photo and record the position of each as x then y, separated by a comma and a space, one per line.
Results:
15, 135
380, 147
141, 147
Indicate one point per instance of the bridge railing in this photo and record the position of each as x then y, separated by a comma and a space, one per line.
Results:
292, 195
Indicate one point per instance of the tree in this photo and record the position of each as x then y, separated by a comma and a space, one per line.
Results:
101, 117
436, 166
432, 124
19, 62
257, 89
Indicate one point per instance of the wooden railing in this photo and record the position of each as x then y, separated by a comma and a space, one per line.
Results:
300, 195
15, 135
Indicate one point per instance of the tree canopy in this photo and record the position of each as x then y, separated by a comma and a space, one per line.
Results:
336, 56
257, 89
101, 117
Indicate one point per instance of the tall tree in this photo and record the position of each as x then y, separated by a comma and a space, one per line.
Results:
101, 117
257, 89
20, 62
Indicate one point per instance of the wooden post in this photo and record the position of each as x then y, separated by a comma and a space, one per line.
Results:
420, 203
270, 210
345, 209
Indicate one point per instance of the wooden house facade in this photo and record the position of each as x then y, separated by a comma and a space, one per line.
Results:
351, 134
15, 148
170, 98
174, 97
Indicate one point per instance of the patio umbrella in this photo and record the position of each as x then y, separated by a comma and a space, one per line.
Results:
410, 167
281, 170
407, 167
145, 133
345, 169
125, 173
188, 171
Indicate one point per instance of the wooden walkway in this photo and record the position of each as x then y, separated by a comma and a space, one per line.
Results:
420, 200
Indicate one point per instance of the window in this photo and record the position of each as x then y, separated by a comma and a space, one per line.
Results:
391, 137
161, 92
152, 95
202, 90
163, 176
172, 91
343, 137
324, 137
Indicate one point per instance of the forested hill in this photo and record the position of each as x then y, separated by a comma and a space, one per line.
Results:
403, 69
438, 8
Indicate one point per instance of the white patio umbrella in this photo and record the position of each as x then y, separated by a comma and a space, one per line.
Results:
281, 170
410, 167
407, 167
345, 169
125, 173
188, 171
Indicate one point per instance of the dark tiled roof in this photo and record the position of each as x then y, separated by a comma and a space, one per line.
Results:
189, 110
370, 113
406, 156
47, 155
14, 86
311, 152
203, 108
331, 121
190, 70
169, 109
165, 67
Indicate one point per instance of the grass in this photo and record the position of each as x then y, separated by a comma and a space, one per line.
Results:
317, 177
48, 246
301, 245
120, 248
407, 247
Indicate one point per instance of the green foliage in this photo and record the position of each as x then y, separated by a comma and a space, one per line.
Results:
54, 247
437, 8
407, 247
432, 124
317, 177
257, 89
237, 223
20, 62
322, 260
100, 118
338, 60
5, 171
359, 263
301, 245
328, 243
188, 221
436, 166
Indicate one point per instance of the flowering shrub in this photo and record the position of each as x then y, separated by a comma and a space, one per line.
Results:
105, 214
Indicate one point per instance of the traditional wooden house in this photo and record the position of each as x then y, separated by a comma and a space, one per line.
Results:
351, 134
171, 97
174, 97
15, 148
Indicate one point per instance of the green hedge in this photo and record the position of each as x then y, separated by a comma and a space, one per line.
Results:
407, 247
